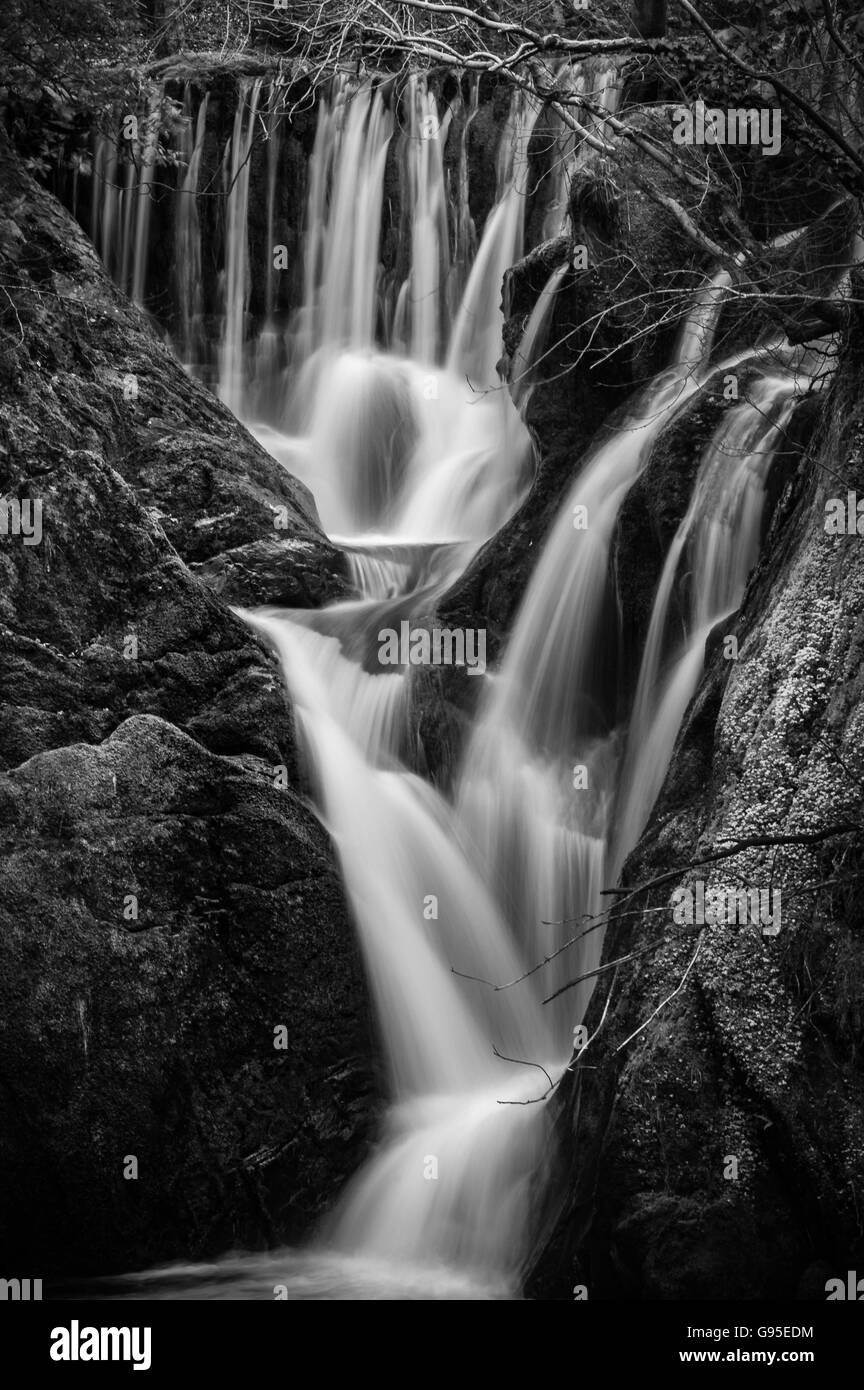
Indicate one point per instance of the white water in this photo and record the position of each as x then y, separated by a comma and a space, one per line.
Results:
189, 287
532, 345
517, 845
236, 174
415, 456
422, 297
598, 82
412, 466
120, 211
720, 536
399, 442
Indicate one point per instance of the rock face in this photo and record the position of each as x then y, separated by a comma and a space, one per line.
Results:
167, 899
716, 1148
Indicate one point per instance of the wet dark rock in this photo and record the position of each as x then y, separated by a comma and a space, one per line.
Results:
288, 574
103, 619
152, 1037
167, 897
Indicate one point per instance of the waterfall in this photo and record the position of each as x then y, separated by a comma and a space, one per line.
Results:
532, 344
720, 536
595, 83
422, 297
349, 301
330, 115
120, 215
146, 152
274, 147
392, 411
397, 441
126, 253
189, 289
438, 886
265, 353
538, 778
236, 171
104, 213
400, 853
410, 448
464, 236
475, 344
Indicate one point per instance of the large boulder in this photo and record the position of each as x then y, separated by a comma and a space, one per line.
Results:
164, 914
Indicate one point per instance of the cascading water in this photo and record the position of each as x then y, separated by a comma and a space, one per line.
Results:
464, 234
396, 843
120, 215
596, 82
475, 343
532, 344
422, 296
263, 356
416, 455
538, 779
189, 287
395, 836
393, 442
236, 175
720, 534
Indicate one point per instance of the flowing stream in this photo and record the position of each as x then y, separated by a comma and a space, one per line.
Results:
383, 396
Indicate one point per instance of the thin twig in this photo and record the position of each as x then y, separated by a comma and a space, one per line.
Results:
601, 969
666, 1001
520, 1062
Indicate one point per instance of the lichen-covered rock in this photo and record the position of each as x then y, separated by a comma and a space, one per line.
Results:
716, 1148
